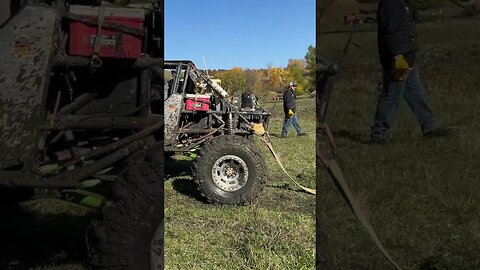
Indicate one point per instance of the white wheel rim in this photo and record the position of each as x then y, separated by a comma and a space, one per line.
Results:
230, 173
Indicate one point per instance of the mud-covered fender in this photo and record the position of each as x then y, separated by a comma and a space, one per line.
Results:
173, 108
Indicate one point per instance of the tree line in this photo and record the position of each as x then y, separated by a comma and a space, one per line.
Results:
263, 82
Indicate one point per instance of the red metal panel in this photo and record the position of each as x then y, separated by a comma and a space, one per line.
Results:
82, 36
197, 104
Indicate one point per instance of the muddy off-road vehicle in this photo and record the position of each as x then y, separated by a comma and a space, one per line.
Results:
200, 116
81, 118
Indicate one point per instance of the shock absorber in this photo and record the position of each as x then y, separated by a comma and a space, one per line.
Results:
231, 123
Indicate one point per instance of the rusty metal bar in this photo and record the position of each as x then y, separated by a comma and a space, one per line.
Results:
101, 122
113, 146
68, 179
79, 61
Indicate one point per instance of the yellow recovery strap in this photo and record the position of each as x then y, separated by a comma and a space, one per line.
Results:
334, 169
266, 139
326, 71
336, 173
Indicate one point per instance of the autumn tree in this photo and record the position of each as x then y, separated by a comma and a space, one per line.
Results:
252, 76
233, 80
310, 68
296, 73
271, 79
277, 79
261, 86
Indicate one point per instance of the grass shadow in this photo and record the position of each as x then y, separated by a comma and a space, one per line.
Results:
275, 135
30, 239
432, 263
181, 170
188, 188
286, 187
175, 167
346, 134
294, 200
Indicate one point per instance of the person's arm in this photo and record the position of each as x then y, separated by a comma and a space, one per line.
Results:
391, 16
287, 96
290, 103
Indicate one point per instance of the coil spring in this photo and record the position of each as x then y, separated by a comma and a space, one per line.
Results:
231, 124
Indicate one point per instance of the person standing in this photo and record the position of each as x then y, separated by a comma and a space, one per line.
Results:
249, 101
289, 108
397, 50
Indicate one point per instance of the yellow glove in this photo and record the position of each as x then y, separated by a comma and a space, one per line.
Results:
290, 113
257, 129
401, 68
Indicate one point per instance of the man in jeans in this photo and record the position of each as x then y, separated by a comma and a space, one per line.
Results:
289, 108
397, 48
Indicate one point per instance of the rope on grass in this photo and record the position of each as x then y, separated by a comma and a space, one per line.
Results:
266, 139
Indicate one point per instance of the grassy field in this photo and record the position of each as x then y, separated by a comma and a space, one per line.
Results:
44, 234
278, 232
421, 195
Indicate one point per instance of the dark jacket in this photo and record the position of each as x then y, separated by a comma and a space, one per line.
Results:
289, 102
248, 100
396, 31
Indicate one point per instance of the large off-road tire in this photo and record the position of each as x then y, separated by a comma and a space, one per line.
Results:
230, 170
129, 233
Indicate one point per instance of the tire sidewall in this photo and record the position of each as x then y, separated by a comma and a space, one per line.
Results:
141, 247
244, 149
131, 217
242, 154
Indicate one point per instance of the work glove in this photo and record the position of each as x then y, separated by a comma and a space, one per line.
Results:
401, 68
257, 129
290, 113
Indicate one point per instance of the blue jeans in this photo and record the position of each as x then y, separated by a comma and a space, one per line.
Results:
389, 100
286, 125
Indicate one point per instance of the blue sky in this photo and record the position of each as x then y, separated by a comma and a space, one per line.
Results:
239, 33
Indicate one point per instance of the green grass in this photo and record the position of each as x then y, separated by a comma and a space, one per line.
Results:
278, 232
421, 195
44, 234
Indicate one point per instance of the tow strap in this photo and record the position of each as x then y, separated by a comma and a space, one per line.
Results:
336, 173
326, 72
266, 139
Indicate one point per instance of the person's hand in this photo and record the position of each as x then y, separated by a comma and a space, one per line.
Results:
257, 129
401, 67
290, 113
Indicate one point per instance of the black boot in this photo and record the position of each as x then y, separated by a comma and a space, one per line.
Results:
438, 132
377, 141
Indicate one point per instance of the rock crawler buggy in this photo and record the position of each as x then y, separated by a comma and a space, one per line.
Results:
81, 110
199, 115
